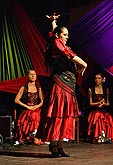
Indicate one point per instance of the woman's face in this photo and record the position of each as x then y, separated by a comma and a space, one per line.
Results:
32, 76
64, 35
98, 79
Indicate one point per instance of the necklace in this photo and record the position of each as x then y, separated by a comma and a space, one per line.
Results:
98, 90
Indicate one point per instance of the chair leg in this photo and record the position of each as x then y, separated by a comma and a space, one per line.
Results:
77, 129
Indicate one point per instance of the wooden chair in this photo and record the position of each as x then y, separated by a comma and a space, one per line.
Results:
77, 129
14, 113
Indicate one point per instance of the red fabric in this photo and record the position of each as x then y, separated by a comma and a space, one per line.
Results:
99, 122
35, 45
60, 110
111, 69
27, 122
59, 128
60, 47
62, 101
34, 41
51, 35
12, 86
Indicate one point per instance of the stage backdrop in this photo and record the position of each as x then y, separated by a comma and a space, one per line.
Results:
93, 33
22, 45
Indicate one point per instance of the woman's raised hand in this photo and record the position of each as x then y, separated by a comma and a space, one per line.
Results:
53, 17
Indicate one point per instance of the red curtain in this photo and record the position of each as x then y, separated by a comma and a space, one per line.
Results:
34, 41
13, 86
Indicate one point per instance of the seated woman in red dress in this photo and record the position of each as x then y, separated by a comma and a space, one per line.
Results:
30, 97
100, 121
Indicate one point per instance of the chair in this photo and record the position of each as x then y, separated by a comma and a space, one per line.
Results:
77, 129
14, 113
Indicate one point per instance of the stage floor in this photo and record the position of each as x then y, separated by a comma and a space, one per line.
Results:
81, 154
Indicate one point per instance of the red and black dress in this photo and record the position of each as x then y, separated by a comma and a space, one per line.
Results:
60, 104
99, 119
28, 120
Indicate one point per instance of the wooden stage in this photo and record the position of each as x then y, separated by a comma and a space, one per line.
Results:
80, 154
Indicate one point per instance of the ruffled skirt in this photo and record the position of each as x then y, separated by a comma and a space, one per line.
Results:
27, 122
60, 110
98, 122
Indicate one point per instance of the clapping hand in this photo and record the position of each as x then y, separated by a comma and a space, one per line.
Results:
102, 102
